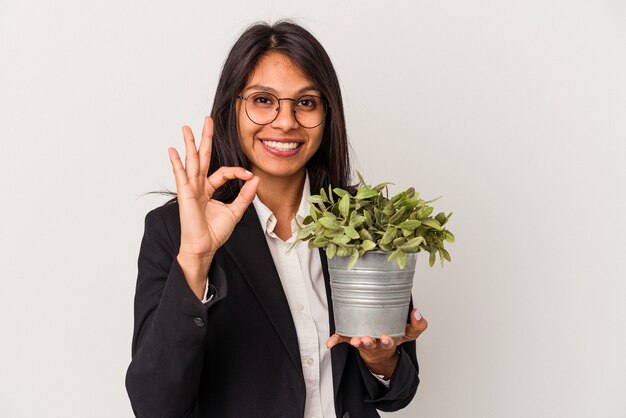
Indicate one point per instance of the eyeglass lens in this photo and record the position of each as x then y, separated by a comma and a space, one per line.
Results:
262, 108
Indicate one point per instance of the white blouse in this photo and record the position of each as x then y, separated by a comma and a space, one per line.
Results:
300, 272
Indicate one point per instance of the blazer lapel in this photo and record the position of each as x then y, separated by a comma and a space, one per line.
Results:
248, 247
339, 354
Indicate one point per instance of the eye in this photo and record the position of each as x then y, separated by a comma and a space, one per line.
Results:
308, 102
263, 100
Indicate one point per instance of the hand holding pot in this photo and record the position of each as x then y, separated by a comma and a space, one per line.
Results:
206, 223
380, 355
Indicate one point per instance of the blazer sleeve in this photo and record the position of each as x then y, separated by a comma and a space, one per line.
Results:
404, 380
402, 386
169, 328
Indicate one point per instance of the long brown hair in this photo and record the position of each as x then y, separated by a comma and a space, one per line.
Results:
331, 163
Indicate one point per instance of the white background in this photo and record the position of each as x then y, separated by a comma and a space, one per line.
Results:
514, 111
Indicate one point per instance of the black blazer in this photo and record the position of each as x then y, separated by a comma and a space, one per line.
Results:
236, 356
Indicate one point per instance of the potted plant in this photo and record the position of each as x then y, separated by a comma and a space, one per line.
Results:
371, 242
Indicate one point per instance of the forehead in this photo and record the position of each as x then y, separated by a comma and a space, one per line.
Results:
277, 72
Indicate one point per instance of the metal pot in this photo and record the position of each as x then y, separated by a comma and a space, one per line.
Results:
372, 299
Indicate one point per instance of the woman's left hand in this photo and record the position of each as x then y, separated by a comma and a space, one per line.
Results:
380, 355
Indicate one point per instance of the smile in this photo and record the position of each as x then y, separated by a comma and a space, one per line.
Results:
281, 146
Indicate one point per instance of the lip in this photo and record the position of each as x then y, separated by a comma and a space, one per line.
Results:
281, 153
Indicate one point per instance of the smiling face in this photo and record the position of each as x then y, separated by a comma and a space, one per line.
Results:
281, 148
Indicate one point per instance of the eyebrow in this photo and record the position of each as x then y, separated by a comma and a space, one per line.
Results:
273, 91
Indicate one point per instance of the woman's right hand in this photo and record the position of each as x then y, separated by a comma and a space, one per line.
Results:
205, 223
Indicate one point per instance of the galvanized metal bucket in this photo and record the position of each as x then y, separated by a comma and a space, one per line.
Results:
372, 299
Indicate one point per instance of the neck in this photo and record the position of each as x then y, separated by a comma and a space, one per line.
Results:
282, 196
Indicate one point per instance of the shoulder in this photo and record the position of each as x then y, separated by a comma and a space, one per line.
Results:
168, 214
164, 222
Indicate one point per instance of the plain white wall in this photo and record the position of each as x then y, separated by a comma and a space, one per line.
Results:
514, 111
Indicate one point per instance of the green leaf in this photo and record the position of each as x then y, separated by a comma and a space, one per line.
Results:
449, 236
389, 209
408, 203
341, 239
393, 256
366, 194
398, 216
434, 200
330, 223
343, 251
351, 232
402, 260
446, 254
320, 241
399, 257
384, 247
330, 194
368, 245
381, 186
389, 235
365, 235
399, 241
368, 218
344, 206
314, 211
305, 233
432, 258
340, 192
425, 212
410, 224
398, 197
356, 220
445, 217
361, 181
413, 244
317, 199
432, 223
323, 195
353, 258
331, 250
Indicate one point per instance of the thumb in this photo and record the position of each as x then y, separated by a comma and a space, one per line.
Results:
245, 197
416, 327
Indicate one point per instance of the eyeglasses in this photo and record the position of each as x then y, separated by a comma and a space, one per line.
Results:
262, 109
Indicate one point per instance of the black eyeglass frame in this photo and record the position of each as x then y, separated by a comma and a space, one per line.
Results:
295, 114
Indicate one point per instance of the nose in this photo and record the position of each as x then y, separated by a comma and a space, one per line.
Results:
286, 118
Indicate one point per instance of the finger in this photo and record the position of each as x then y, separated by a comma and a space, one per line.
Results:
416, 327
336, 339
179, 171
245, 197
206, 145
355, 342
192, 165
222, 175
386, 342
369, 343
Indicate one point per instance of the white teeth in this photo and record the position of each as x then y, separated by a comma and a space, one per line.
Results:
282, 146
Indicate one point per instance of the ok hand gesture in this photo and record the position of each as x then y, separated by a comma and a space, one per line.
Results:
205, 223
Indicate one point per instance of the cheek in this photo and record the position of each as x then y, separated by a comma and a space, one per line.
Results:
319, 137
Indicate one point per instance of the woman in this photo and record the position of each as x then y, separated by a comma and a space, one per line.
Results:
252, 339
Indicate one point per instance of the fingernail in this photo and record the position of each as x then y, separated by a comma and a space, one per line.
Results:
386, 342
417, 315
247, 172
